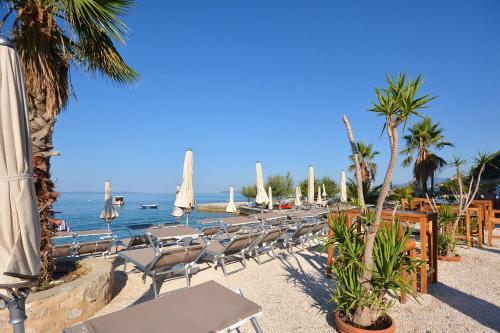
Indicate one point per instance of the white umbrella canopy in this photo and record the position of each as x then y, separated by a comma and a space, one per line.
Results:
231, 207
343, 188
270, 205
319, 201
185, 198
298, 195
324, 191
177, 212
261, 197
19, 218
310, 186
109, 212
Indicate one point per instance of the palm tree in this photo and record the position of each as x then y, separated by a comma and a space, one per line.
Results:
424, 136
52, 37
366, 155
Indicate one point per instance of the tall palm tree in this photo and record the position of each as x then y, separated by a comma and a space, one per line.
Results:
366, 155
52, 37
422, 138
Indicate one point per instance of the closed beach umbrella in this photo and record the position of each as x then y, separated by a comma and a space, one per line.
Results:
319, 201
298, 196
19, 219
109, 212
324, 191
343, 188
185, 198
261, 198
310, 186
231, 207
177, 212
270, 205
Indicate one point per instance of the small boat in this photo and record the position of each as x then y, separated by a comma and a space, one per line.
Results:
118, 200
151, 206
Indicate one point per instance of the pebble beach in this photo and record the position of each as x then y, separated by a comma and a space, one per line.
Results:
294, 293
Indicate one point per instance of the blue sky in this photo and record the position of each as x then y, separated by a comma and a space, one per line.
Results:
240, 81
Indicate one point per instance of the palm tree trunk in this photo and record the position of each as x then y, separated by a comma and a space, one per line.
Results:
432, 185
363, 315
354, 149
41, 128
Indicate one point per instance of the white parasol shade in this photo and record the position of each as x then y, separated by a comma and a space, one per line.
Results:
109, 213
324, 191
177, 212
298, 195
19, 218
261, 198
343, 188
310, 186
270, 205
185, 197
319, 201
231, 207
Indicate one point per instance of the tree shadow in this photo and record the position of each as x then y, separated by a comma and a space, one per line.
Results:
489, 249
316, 286
482, 311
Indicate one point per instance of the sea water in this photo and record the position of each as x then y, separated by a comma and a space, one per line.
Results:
81, 211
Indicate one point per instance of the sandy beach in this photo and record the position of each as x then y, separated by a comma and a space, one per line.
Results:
294, 293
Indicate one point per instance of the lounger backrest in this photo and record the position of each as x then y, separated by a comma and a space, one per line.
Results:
233, 228
211, 231
240, 242
303, 229
94, 247
65, 250
178, 255
138, 240
318, 227
271, 236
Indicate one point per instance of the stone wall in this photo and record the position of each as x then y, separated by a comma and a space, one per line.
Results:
68, 304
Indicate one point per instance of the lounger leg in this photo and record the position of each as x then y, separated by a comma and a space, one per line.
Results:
125, 266
188, 278
257, 256
154, 285
223, 264
244, 261
272, 251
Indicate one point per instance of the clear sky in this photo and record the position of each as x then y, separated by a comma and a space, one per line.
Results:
240, 81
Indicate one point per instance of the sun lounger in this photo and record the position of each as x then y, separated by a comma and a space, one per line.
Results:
95, 232
173, 233
234, 247
265, 243
211, 231
101, 247
208, 307
296, 236
63, 250
156, 262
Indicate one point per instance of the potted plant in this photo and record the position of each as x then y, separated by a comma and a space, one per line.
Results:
391, 265
397, 103
446, 238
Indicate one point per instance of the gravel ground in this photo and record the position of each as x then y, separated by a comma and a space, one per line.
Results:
294, 293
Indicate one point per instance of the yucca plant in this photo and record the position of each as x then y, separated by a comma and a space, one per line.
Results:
446, 238
391, 263
396, 104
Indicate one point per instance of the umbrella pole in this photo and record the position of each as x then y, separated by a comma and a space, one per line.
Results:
17, 309
187, 219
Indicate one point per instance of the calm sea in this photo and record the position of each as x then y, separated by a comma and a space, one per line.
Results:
81, 211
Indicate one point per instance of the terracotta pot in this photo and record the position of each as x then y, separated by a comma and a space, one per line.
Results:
344, 327
450, 258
